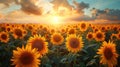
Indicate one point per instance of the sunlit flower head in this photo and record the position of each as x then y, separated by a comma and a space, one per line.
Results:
83, 27
113, 36
99, 36
25, 57
90, 36
74, 43
108, 54
18, 32
8, 29
39, 42
4, 37
118, 36
57, 39
71, 31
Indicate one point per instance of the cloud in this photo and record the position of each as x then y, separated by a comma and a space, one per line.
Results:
6, 2
16, 14
106, 14
36, 7
79, 7
62, 3
1, 16
30, 6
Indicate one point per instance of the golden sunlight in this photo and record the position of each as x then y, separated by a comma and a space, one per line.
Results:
56, 20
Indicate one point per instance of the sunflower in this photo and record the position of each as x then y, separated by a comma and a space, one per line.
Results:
41, 26
34, 32
83, 27
90, 36
47, 36
63, 30
18, 32
39, 42
57, 39
30, 27
108, 54
118, 36
45, 29
8, 29
103, 28
4, 37
113, 36
3, 28
74, 43
115, 28
95, 29
108, 27
52, 31
71, 31
25, 57
99, 36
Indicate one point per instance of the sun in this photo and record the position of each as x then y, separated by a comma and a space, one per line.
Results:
56, 20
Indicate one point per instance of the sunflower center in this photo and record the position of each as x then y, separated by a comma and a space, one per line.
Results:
71, 31
52, 31
18, 32
26, 58
96, 30
99, 35
90, 36
8, 29
74, 42
63, 30
118, 35
38, 43
83, 25
108, 53
34, 33
30, 27
2, 28
103, 28
4, 36
115, 28
57, 38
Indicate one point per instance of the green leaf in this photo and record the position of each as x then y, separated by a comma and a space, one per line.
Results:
90, 63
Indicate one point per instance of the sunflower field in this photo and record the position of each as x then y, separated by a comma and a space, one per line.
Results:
68, 45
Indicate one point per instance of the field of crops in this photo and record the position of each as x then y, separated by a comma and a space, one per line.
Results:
71, 45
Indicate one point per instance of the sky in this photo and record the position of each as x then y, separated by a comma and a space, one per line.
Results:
63, 11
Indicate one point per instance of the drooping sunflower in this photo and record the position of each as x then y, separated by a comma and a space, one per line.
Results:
74, 43
39, 42
108, 54
4, 37
57, 39
99, 36
83, 27
90, 36
26, 57
18, 32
